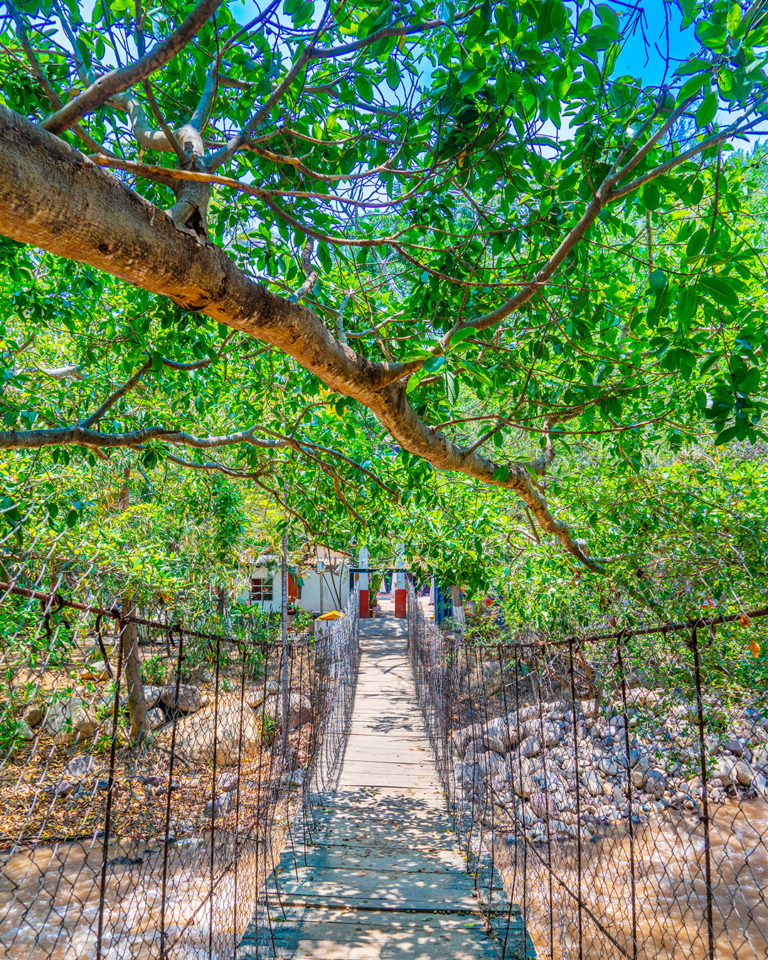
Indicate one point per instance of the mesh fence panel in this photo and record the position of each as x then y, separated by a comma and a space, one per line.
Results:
612, 802
117, 844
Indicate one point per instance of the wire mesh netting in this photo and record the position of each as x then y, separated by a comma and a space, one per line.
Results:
611, 797
152, 769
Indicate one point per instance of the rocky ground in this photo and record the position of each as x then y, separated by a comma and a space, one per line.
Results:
55, 783
528, 764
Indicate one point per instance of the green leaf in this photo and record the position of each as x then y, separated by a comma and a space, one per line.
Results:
584, 21
393, 74
692, 86
687, 302
364, 88
706, 112
460, 335
728, 434
694, 65
710, 361
433, 364
651, 197
608, 15
658, 281
733, 20
720, 290
602, 36
451, 387
501, 474
712, 35
696, 242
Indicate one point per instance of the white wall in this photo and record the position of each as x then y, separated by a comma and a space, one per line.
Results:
335, 590
334, 585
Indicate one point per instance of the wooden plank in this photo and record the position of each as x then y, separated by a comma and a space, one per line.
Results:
360, 754
370, 891
375, 778
366, 858
389, 766
373, 919
428, 941
356, 855
432, 950
305, 897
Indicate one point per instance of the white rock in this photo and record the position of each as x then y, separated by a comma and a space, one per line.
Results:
155, 718
723, 769
530, 747
152, 695
59, 715
560, 826
592, 782
609, 766
744, 774
496, 744
299, 709
227, 782
219, 807
542, 805
33, 715
24, 731
188, 700
503, 728
208, 732
79, 767
760, 783
655, 783
760, 759
254, 698
526, 714
85, 723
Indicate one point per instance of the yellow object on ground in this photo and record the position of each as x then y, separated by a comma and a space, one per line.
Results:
331, 615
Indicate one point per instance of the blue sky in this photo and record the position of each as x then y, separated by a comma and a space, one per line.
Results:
646, 62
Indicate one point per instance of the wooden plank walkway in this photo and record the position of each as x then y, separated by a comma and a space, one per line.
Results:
379, 879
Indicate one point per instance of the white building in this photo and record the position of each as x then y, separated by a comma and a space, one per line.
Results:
320, 584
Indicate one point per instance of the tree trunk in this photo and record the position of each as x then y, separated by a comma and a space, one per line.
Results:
137, 704
457, 599
286, 706
221, 600
129, 641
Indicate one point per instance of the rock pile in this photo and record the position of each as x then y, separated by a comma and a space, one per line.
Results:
529, 764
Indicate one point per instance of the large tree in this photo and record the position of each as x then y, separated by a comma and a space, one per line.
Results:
491, 227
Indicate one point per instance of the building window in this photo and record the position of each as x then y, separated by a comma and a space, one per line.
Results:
261, 589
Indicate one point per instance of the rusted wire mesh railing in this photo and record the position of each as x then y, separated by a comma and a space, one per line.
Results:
611, 792
152, 762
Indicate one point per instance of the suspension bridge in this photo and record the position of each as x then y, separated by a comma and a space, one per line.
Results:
378, 877
372, 789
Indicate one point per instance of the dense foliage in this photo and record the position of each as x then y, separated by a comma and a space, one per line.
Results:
550, 235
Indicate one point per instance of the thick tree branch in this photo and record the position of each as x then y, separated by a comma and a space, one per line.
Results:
70, 372
83, 437
53, 197
116, 81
